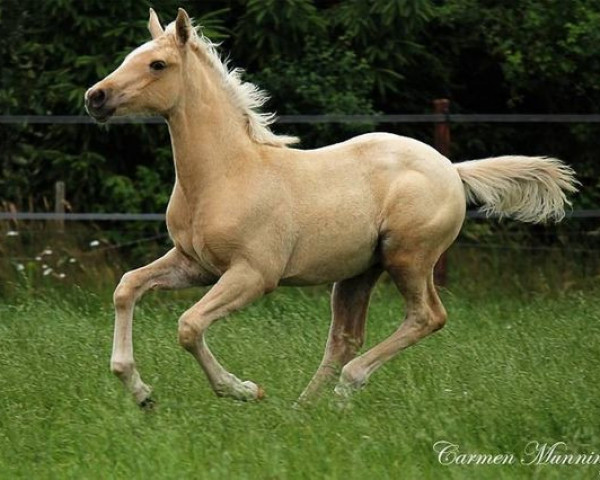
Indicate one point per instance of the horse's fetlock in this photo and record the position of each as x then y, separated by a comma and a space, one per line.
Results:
353, 376
221, 389
122, 369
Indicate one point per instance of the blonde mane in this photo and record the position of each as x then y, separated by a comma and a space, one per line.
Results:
245, 96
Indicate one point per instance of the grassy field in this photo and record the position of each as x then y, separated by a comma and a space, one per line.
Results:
506, 370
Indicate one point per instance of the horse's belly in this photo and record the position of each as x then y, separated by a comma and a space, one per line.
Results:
326, 257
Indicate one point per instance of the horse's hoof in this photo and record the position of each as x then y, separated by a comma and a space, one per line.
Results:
253, 391
260, 393
147, 404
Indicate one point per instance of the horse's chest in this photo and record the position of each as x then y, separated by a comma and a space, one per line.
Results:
187, 232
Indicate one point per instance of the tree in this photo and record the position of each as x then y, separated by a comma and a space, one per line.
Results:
312, 56
52, 52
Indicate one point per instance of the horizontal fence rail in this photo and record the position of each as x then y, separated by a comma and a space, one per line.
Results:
85, 217
434, 118
296, 119
160, 217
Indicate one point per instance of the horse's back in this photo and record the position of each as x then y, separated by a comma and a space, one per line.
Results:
383, 169
381, 152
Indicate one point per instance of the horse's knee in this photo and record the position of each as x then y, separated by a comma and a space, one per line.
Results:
124, 292
187, 333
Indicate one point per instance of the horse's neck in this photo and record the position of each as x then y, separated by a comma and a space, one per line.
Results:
208, 140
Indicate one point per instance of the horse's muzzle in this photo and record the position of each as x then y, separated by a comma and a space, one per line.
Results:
97, 104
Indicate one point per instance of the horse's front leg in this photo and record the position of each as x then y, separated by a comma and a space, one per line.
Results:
238, 287
173, 270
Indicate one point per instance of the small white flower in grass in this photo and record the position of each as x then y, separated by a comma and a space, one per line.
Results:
20, 267
38, 259
47, 271
12, 233
72, 260
94, 243
44, 266
47, 251
61, 275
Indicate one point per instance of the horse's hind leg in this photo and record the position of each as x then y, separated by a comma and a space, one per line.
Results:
349, 304
424, 315
171, 271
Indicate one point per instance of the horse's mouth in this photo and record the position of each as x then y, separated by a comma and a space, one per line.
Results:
100, 114
103, 117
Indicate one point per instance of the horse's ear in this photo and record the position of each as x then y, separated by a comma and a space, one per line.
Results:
183, 27
156, 30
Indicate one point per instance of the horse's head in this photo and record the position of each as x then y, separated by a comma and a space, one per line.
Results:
150, 79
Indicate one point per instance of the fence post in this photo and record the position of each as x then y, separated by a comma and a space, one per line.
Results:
441, 141
59, 204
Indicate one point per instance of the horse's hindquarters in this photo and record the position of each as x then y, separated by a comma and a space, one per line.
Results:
423, 215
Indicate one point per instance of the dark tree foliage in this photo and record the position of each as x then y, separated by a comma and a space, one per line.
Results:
313, 56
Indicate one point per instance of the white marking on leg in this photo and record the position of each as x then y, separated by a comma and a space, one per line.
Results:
170, 271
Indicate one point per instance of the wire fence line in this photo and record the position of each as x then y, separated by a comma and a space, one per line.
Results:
459, 244
104, 249
283, 119
95, 250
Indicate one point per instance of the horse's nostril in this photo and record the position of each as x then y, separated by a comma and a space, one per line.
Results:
97, 98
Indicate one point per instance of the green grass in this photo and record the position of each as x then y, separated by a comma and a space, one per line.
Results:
505, 371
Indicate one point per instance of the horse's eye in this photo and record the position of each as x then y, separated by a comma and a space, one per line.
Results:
158, 65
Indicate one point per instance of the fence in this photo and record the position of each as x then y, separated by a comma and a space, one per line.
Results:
441, 119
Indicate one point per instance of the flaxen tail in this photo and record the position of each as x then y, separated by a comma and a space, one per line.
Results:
530, 189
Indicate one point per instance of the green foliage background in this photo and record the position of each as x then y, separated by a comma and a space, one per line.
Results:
313, 56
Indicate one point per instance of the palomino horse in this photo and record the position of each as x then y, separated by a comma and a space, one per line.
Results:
248, 213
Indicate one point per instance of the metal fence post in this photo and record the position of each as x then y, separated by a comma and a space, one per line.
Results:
441, 141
